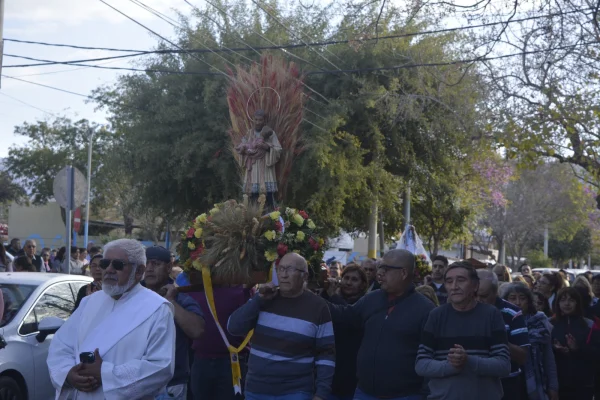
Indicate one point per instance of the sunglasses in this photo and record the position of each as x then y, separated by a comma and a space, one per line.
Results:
117, 264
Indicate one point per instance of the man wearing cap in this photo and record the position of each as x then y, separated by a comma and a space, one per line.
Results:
189, 320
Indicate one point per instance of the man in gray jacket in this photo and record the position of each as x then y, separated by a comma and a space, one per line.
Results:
464, 349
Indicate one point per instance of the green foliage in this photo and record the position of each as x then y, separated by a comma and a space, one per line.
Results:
51, 146
537, 259
577, 247
10, 191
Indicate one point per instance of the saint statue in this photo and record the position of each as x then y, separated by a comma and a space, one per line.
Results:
260, 151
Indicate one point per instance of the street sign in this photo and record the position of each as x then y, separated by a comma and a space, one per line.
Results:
60, 187
77, 220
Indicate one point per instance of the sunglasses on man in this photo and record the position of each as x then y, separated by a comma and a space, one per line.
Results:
117, 264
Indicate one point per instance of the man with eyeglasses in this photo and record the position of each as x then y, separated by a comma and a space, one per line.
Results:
189, 320
29, 250
292, 354
120, 342
392, 320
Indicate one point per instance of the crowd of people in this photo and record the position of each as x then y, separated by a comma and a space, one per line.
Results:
371, 331
28, 258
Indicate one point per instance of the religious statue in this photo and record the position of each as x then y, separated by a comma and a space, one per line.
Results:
260, 151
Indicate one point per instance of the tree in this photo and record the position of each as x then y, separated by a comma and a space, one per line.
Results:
549, 196
576, 248
52, 145
368, 134
9, 191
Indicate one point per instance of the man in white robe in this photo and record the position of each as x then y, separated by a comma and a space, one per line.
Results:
129, 329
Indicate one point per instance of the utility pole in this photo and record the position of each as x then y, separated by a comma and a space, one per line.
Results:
546, 237
372, 249
1, 37
407, 206
89, 187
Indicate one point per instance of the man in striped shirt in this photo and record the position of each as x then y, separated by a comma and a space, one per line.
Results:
516, 330
463, 348
292, 354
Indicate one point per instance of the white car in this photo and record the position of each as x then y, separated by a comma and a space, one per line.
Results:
35, 306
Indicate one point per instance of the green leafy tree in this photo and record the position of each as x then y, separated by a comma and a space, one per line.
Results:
367, 134
10, 191
52, 145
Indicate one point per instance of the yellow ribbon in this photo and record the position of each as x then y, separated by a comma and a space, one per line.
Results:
236, 372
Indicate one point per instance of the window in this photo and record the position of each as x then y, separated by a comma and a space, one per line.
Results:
57, 301
14, 298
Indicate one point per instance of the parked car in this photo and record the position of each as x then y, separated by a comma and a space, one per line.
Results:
35, 307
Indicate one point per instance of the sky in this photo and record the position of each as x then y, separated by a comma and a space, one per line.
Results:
78, 22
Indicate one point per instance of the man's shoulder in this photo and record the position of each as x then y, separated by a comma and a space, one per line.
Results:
313, 300
420, 302
507, 309
188, 303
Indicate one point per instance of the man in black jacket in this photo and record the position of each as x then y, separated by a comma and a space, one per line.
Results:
392, 320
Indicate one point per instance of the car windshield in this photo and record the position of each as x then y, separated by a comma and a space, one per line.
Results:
14, 298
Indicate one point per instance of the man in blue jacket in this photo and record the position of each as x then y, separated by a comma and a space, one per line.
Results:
392, 320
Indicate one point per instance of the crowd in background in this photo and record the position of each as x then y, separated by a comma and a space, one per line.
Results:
551, 321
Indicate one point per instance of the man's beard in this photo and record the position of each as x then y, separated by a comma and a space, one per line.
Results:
117, 290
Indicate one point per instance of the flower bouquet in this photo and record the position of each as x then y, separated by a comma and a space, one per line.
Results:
422, 267
239, 244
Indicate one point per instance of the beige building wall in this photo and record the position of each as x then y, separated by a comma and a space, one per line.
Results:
42, 223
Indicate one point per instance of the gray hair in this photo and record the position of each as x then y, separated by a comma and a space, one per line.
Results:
29, 241
485, 275
136, 254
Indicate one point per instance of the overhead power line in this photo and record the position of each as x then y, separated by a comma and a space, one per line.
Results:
325, 43
373, 69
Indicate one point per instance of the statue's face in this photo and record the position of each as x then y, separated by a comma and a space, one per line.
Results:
259, 122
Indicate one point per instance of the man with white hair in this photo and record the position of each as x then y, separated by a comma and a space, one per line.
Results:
29, 249
120, 342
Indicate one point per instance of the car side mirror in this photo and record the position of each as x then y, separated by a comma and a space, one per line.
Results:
48, 326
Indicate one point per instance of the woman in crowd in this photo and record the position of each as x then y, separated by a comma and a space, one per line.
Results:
575, 346
352, 287
4, 260
549, 285
96, 285
23, 264
541, 304
428, 292
502, 273
540, 370
530, 281
582, 282
59, 260
73, 265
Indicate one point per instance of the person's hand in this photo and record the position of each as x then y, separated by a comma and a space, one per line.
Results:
457, 356
427, 280
552, 395
81, 382
332, 287
267, 291
571, 342
560, 348
170, 292
264, 146
94, 370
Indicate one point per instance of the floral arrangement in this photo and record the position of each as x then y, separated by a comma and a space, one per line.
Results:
293, 231
236, 239
422, 266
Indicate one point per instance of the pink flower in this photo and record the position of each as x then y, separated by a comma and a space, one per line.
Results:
190, 232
